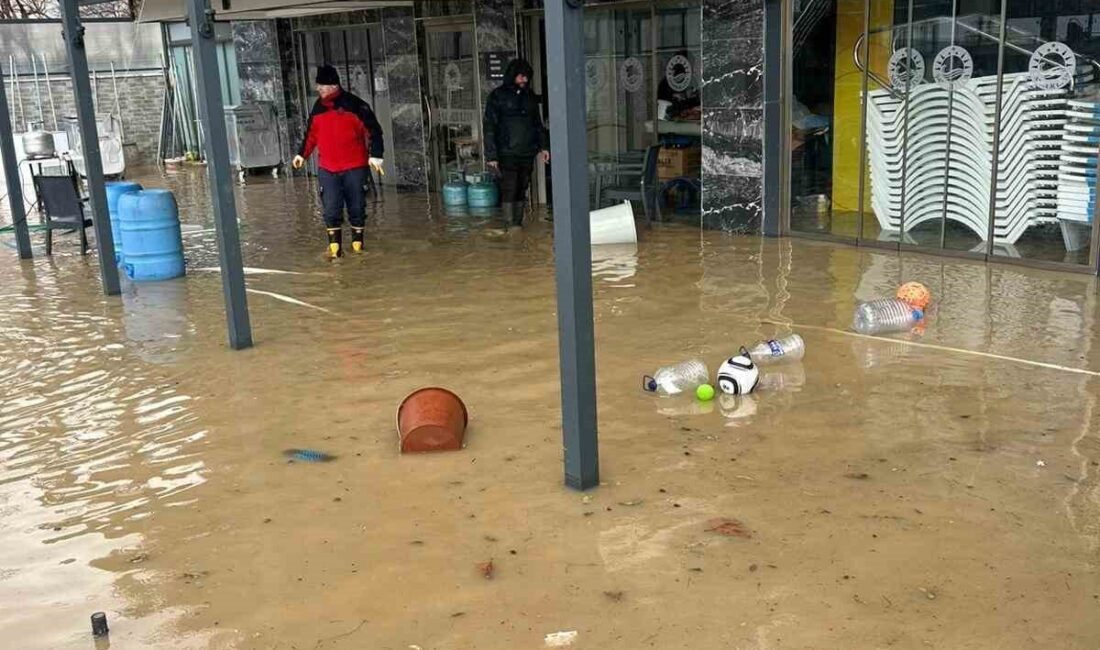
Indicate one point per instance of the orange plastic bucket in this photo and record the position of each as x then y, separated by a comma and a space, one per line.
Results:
431, 419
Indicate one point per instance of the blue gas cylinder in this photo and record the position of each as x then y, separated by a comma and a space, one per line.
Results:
115, 190
483, 193
454, 190
150, 224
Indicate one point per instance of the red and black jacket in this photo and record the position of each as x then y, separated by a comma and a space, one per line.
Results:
344, 131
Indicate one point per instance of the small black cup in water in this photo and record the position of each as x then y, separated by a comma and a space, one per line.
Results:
99, 624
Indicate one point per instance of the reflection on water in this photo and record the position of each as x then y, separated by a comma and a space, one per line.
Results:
142, 468
681, 405
738, 410
155, 318
615, 263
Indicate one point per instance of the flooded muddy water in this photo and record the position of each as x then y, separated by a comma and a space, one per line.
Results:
886, 494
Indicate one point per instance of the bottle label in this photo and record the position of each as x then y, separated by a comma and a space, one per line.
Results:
777, 350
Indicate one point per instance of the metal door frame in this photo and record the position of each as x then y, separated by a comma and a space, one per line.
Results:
431, 26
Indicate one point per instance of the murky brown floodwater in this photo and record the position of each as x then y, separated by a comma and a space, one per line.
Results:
897, 496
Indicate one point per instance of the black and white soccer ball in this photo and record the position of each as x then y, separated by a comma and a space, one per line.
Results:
738, 375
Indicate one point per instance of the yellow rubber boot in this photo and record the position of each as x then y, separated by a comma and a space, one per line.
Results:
335, 237
357, 239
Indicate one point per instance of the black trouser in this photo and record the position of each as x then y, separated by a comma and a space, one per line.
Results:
339, 189
514, 178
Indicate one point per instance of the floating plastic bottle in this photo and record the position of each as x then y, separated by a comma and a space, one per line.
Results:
790, 348
885, 315
682, 377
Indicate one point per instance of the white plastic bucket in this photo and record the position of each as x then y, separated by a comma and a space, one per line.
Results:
614, 225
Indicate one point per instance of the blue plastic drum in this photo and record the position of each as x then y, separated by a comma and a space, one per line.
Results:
150, 224
114, 191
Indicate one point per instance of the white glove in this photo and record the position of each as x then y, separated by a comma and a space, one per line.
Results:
298, 162
376, 164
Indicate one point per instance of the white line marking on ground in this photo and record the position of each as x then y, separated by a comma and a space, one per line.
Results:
944, 348
293, 301
251, 270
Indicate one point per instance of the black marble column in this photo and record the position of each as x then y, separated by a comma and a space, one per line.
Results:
402, 72
495, 31
292, 101
259, 68
733, 114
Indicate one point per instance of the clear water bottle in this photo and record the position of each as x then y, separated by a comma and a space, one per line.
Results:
885, 315
790, 348
673, 380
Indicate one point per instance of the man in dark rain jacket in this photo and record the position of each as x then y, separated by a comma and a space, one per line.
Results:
514, 136
348, 138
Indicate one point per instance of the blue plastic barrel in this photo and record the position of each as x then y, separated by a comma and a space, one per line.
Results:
116, 189
150, 224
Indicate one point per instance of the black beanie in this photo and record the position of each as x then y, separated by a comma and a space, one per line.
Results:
327, 76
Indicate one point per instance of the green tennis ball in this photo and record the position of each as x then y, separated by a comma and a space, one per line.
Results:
705, 393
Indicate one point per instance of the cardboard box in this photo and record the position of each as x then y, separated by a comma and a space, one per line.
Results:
672, 163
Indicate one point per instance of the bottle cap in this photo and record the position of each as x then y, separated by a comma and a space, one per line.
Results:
649, 384
918, 314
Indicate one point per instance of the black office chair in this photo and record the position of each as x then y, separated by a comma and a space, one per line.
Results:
63, 207
646, 189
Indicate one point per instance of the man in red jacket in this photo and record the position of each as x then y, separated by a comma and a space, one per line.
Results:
347, 137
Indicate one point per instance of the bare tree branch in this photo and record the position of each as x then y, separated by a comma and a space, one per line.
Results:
51, 10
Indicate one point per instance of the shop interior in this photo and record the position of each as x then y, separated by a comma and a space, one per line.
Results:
960, 126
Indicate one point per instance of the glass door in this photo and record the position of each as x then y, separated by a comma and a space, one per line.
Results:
356, 53
453, 99
1049, 132
951, 121
620, 84
891, 68
825, 116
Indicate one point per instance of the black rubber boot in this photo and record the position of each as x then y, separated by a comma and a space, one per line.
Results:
508, 213
356, 239
335, 242
519, 212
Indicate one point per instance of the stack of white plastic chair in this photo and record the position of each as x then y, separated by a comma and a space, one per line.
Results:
885, 154
942, 160
1077, 173
1031, 126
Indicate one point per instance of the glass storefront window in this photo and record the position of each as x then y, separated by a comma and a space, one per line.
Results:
825, 117
1050, 132
981, 131
643, 71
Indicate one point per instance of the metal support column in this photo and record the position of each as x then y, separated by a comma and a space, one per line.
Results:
73, 34
12, 178
774, 140
572, 240
212, 114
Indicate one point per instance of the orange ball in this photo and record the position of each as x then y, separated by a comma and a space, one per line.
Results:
916, 294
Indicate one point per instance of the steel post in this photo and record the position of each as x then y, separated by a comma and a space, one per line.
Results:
774, 154
212, 116
572, 247
12, 178
73, 34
